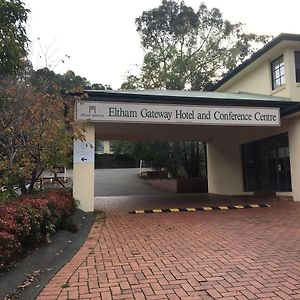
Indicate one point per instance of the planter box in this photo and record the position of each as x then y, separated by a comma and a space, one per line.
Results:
156, 174
181, 185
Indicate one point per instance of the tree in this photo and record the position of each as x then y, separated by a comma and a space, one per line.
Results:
36, 132
13, 39
183, 159
187, 159
132, 83
46, 78
36, 125
156, 153
187, 49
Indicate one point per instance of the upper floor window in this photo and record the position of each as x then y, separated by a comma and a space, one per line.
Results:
297, 66
278, 78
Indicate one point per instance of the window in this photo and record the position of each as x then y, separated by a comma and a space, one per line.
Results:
100, 148
277, 67
297, 66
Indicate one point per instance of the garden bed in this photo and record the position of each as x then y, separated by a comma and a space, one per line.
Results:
46, 261
30, 221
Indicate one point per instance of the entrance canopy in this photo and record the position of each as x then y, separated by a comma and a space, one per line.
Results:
228, 123
179, 115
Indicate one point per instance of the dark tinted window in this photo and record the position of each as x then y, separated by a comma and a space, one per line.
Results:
267, 164
297, 66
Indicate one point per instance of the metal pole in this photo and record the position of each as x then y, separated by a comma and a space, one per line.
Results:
65, 174
141, 165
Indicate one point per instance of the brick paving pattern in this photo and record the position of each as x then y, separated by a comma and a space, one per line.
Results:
233, 255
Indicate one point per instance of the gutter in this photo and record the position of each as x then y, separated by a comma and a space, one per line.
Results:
290, 110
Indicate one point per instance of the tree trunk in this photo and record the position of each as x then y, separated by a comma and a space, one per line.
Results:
34, 177
22, 186
172, 160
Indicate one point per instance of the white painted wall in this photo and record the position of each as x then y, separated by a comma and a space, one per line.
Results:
256, 78
224, 169
224, 161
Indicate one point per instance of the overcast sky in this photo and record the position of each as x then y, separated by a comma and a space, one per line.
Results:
100, 35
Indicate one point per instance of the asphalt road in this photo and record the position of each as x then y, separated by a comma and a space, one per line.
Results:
122, 182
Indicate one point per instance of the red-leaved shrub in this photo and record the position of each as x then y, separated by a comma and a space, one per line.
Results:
30, 221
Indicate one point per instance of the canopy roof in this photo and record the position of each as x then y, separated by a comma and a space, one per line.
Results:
195, 98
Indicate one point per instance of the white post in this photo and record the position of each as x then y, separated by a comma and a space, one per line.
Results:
224, 167
294, 147
83, 170
65, 174
141, 165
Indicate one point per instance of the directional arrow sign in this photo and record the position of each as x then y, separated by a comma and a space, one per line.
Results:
84, 152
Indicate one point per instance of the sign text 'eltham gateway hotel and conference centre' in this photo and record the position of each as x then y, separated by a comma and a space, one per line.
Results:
172, 114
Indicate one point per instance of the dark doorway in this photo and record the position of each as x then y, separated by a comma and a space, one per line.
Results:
266, 164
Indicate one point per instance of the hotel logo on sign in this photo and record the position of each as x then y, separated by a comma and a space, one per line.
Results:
92, 109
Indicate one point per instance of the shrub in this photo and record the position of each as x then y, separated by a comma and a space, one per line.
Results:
30, 221
9, 249
7, 195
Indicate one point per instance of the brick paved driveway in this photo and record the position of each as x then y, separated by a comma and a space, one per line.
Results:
235, 254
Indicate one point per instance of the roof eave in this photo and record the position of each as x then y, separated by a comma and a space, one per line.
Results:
165, 99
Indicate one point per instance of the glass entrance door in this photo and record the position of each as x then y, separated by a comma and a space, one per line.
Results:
267, 164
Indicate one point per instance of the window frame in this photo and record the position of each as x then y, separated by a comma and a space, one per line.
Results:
279, 61
297, 73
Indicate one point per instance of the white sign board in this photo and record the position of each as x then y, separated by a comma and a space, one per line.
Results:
176, 114
84, 152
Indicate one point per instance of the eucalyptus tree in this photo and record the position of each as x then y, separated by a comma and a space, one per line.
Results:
189, 49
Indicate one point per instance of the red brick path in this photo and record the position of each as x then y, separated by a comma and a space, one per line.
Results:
235, 254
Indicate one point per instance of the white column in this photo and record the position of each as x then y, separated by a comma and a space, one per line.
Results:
290, 74
294, 145
83, 176
224, 167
